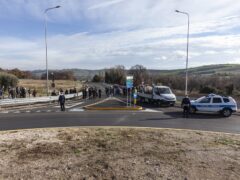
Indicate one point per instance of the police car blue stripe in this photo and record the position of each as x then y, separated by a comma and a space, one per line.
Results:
216, 106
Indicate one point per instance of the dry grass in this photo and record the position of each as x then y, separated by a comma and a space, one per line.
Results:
116, 153
40, 85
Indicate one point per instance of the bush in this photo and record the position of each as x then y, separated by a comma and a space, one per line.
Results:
7, 80
97, 78
207, 90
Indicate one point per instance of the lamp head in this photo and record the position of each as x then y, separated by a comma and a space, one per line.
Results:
177, 11
57, 6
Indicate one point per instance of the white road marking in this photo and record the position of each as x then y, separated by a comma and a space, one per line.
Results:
151, 110
74, 105
76, 110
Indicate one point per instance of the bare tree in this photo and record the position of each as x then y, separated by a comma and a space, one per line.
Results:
115, 75
140, 74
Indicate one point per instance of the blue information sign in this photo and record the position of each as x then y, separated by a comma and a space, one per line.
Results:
129, 82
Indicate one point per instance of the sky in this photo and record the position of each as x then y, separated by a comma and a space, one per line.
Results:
96, 34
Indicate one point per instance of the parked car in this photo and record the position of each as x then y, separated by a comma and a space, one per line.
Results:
214, 103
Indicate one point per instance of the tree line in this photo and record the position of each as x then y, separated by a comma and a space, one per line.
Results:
225, 84
10, 78
59, 75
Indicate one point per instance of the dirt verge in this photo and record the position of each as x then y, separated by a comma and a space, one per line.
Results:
118, 153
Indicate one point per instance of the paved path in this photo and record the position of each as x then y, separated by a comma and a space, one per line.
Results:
150, 117
49, 115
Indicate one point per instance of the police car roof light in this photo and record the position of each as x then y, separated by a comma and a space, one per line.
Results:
210, 95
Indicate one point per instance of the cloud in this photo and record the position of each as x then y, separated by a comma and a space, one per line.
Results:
107, 33
105, 4
142, 46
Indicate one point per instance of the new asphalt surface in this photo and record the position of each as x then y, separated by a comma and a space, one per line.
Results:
162, 117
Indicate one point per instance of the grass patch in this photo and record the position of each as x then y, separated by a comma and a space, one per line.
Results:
118, 153
227, 142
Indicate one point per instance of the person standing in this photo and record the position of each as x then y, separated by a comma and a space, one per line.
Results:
1, 93
61, 100
29, 92
99, 93
34, 92
186, 106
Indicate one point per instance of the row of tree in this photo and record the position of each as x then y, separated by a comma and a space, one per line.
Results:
19, 73
59, 75
117, 75
227, 85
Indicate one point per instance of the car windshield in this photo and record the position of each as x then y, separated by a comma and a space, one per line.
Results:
164, 91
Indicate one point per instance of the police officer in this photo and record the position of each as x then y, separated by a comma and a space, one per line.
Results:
61, 100
186, 106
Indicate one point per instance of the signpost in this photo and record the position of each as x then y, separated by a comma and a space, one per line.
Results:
129, 85
135, 97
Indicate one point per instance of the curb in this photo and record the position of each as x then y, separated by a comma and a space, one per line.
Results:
136, 108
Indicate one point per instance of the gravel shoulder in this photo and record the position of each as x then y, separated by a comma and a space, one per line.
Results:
118, 153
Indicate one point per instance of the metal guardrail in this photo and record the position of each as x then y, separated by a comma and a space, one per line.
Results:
23, 101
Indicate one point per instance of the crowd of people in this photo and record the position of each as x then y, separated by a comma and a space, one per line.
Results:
18, 92
67, 91
22, 92
91, 93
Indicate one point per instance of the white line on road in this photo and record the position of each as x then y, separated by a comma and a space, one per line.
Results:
151, 110
74, 105
76, 110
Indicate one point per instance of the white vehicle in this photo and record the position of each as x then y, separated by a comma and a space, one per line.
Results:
215, 103
157, 94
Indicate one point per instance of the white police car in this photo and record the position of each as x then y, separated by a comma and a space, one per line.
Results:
214, 103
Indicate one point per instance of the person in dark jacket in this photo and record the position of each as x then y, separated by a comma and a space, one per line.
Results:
61, 100
99, 93
186, 106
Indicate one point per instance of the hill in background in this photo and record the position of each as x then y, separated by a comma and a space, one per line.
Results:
221, 69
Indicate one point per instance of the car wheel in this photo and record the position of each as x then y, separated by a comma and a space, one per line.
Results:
193, 110
226, 112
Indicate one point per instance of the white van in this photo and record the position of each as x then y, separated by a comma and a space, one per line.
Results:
161, 95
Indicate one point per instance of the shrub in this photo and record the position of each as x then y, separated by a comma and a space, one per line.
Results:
96, 78
207, 90
7, 80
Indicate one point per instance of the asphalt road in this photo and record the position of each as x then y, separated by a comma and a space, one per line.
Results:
150, 117
49, 115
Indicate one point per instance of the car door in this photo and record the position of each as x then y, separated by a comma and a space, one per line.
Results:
216, 104
204, 104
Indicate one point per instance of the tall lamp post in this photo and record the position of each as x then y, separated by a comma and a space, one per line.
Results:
186, 83
45, 13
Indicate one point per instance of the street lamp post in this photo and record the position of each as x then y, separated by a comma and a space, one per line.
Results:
186, 83
45, 13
